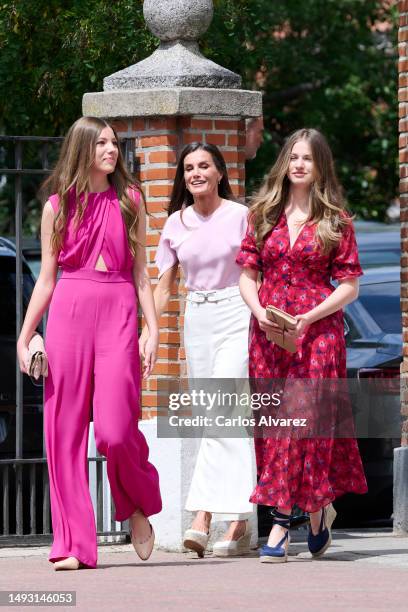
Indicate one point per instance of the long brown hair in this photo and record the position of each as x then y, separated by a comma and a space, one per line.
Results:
72, 172
180, 195
326, 203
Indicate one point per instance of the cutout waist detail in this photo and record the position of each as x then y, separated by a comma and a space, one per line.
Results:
112, 276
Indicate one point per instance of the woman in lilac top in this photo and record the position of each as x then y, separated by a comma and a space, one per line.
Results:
203, 234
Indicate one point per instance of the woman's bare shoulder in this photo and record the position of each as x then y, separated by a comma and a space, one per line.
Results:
48, 209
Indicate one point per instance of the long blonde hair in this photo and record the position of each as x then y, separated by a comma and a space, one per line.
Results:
326, 204
72, 172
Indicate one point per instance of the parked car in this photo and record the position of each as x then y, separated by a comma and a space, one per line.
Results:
373, 330
32, 431
379, 244
31, 248
363, 226
379, 249
32, 255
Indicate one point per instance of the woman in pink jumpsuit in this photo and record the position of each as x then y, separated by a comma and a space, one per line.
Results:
92, 342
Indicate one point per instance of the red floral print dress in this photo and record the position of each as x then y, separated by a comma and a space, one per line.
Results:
311, 472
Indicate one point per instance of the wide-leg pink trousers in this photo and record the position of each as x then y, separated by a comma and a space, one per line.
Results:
93, 354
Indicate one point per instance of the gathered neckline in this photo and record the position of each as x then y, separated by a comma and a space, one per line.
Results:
96, 193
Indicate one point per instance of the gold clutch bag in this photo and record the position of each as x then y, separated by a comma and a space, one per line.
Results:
38, 364
285, 322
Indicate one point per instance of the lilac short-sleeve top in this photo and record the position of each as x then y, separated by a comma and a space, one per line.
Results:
205, 247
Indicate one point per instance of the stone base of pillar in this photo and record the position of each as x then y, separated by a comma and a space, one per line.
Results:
401, 490
169, 102
175, 460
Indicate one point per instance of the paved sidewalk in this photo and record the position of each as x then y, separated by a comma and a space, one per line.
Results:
362, 570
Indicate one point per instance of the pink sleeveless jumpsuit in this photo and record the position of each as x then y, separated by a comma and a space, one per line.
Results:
93, 354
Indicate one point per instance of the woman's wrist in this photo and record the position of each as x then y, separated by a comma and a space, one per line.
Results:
310, 317
153, 331
258, 312
24, 340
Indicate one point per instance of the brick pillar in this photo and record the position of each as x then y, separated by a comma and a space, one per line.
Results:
158, 140
400, 499
228, 134
403, 159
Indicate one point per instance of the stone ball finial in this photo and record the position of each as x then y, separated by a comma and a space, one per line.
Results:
177, 62
178, 19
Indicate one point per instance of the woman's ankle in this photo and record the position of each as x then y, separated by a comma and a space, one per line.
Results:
281, 525
276, 534
315, 521
236, 529
202, 521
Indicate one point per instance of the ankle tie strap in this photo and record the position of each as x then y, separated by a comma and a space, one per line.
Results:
283, 520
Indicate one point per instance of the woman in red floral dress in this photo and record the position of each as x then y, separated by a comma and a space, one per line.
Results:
299, 238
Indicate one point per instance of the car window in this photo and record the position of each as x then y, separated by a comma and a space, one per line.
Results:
374, 259
35, 266
382, 301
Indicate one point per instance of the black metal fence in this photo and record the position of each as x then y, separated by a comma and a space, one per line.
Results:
25, 508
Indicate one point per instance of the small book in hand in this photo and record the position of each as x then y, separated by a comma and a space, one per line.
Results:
285, 321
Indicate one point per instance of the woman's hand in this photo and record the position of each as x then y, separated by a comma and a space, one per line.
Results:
265, 324
149, 344
23, 355
302, 323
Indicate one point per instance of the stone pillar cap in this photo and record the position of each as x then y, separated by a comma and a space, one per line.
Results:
172, 102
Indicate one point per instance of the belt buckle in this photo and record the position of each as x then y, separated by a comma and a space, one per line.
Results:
201, 297
204, 297
208, 295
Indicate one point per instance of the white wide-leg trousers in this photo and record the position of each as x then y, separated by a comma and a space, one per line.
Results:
216, 344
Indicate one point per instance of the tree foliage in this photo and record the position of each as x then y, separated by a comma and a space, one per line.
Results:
325, 64
329, 64
53, 51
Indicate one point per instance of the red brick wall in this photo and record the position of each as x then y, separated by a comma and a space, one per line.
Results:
158, 141
403, 159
